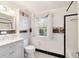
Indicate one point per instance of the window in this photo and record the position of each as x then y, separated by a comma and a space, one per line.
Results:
42, 26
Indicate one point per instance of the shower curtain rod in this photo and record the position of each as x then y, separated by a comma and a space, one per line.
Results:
69, 6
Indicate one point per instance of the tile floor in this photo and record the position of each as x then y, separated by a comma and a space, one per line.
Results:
43, 55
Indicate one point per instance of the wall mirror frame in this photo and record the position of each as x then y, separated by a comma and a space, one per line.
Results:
65, 18
7, 23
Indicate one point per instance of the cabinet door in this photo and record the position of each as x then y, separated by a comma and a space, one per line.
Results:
19, 49
16, 50
4, 51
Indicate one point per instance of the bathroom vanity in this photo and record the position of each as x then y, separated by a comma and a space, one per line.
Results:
11, 48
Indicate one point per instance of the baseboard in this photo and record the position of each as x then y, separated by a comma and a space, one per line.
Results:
50, 53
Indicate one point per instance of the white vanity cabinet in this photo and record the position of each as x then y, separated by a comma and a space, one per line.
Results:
12, 50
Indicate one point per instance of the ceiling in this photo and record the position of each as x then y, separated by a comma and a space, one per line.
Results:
38, 6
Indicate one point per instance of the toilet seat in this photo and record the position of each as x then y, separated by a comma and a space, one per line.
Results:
30, 48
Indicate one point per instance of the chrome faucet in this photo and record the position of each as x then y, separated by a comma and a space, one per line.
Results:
3, 33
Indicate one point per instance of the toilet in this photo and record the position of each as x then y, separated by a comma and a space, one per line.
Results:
29, 50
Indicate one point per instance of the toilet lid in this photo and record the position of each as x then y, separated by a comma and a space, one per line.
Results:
29, 47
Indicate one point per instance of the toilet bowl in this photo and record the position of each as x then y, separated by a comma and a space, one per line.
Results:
29, 50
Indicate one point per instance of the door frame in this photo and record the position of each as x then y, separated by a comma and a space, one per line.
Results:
65, 31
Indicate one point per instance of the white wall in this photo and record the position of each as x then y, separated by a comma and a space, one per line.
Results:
24, 24
56, 44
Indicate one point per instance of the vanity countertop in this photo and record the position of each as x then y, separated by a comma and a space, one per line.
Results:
8, 41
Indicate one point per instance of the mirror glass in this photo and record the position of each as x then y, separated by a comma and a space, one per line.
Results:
6, 22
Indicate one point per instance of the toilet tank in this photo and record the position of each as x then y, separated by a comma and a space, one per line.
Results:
26, 42
25, 37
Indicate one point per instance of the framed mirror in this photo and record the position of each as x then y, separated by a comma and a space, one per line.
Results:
6, 22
